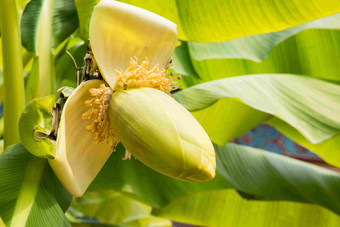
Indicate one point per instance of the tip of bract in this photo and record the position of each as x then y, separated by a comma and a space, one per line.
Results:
119, 31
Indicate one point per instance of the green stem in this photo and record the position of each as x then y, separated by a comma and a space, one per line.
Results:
44, 46
12, 70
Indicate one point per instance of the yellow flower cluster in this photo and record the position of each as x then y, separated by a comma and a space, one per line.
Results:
137, 76
99, 114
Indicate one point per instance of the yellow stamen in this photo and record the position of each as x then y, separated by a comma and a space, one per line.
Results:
137, 76
99, 114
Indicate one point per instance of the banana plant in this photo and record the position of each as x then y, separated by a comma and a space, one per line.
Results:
122, 112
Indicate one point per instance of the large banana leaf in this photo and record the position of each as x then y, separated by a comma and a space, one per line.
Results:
145, 184
228, 118
111, 207
266, 174
256, 47
275, 177
295, 99
42, 18
215, 20
312, 52
226, 208
211, 21
30, 194
246, 169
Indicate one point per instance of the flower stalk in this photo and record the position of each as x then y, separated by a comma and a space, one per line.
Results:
44, 51
14, 99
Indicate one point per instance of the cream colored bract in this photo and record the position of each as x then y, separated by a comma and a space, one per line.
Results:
119, 31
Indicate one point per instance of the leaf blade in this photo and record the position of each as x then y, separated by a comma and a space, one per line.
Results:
199, 18
226, 207
287, 96
256, 47
18, 178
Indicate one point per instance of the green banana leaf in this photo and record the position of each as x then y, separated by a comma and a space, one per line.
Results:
215, 20
212, 21
256, 47
228, 119
144, 184
30, 193
271, 176
297, 100
41, 17
226, 208
111, 207
263, 175
311, 52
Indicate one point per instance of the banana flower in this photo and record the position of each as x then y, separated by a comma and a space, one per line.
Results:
132, 106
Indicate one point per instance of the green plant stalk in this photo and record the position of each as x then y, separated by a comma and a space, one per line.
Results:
44, 46
14, 100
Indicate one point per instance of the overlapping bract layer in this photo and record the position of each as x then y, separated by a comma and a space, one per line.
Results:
162, 134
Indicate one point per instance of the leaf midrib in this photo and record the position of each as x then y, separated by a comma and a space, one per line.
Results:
28, 191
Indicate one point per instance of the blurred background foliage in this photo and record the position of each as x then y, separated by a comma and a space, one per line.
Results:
222, 44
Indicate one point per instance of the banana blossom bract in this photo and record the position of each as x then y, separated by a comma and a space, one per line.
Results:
152, 126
